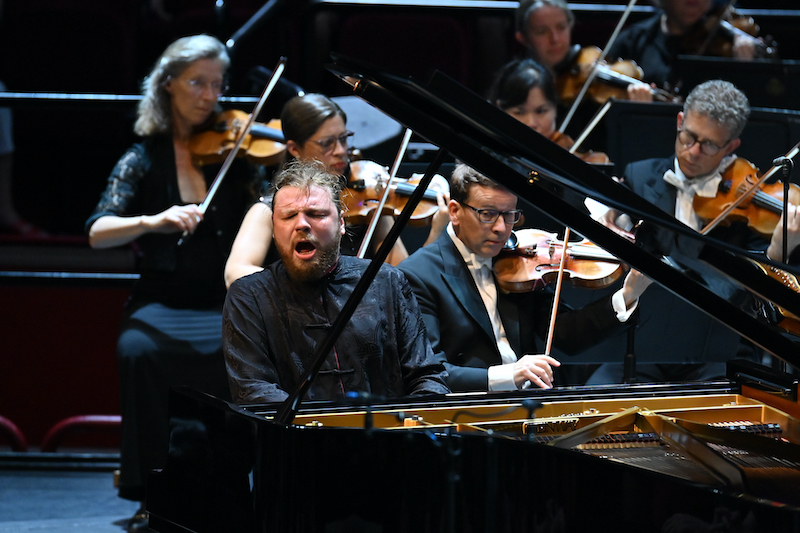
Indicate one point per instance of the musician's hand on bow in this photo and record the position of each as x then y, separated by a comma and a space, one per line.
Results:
640, 92
775, 250
178, 218
535, 370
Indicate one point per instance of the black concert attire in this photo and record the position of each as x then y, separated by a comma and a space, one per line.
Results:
171, 331
272, 326
651, 48
689, 344
460, 328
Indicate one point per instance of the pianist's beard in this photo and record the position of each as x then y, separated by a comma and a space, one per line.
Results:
310, 270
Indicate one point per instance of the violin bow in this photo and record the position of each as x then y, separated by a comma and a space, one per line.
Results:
273, 81
593, 72
749, 192
557, 296
373, 223
592, 124
712, 32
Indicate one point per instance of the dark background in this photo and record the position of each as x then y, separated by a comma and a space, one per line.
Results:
64, 153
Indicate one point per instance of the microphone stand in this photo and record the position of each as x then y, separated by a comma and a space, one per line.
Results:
629, 362
787, 165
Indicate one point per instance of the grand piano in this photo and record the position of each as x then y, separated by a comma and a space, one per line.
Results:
700, 456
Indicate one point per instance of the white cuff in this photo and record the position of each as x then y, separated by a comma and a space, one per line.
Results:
618, 303
501, 377
596, 209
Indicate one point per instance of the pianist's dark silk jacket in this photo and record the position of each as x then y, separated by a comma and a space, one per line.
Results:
271, 327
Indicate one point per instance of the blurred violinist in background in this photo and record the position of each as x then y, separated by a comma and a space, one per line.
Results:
690, 27
315, 127
525, 90
171, 331
544, 29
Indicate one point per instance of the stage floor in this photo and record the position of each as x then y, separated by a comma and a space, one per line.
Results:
56, 501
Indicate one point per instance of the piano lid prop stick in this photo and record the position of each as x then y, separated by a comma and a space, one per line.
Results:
273, 81
590, 78
376, 215
557, 295
749, 192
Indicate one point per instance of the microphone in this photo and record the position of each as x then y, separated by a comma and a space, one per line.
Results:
781, 161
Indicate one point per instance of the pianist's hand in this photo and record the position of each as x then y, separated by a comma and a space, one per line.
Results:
536, 370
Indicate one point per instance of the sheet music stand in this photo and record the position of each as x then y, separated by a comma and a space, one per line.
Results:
769, 133
766, 82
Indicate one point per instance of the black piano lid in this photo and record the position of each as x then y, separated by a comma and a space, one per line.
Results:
709, 274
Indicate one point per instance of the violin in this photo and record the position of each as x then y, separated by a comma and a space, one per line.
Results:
367, 184
715, 33
590, 156
531, 260
762, 210
611, 81
262, 145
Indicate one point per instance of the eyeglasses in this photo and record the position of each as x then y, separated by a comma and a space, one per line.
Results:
199, 85
329, 143
688, 139
490, 216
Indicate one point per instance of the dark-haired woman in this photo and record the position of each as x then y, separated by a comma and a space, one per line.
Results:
315, 127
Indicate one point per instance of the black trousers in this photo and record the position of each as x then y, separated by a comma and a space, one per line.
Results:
160, 347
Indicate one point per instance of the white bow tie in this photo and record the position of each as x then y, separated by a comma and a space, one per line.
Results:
478, 262
706, 188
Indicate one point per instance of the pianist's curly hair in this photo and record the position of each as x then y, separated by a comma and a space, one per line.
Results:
307, 174
721, 101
